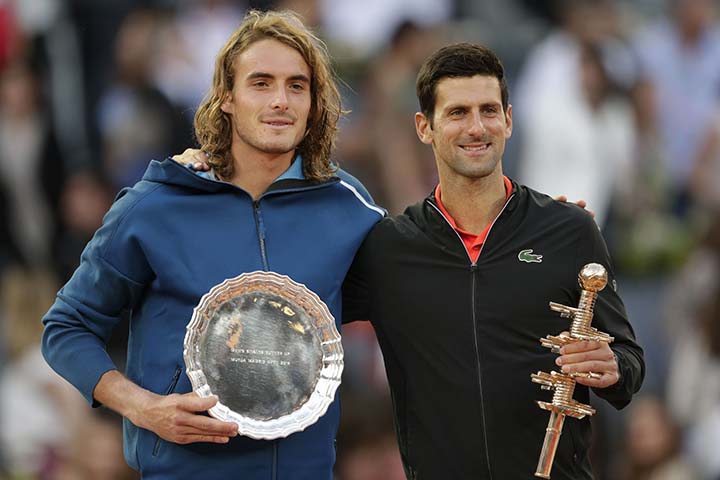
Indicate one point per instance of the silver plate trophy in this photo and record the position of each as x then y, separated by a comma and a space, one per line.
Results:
268, 347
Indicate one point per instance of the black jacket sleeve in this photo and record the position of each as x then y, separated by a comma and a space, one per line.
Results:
356, 291
610, 317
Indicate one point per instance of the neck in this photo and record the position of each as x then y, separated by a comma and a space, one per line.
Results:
254, 171
473, 203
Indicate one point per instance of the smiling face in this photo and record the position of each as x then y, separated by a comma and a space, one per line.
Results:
469, 127
270, 100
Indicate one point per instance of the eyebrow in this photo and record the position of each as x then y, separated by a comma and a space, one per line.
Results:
454, 106
294, 78
466, 106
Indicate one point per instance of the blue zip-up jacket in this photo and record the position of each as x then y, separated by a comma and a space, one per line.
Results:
164, 244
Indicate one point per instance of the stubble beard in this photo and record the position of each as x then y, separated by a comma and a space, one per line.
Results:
272, 146
478, 170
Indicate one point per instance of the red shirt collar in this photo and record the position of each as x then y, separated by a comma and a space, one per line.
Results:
472, 242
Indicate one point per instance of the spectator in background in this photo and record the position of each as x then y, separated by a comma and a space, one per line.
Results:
380, 144
693, 286
577, 129
38, 407
9, 249
680, 58
653, 445
136, 121
50, 37
694, 382
86, 198
188, 44
693, 389
9, 33
95, 450
703, 441
705, 178
31, 167
363, 29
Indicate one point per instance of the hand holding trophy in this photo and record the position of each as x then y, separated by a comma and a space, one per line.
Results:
592, 279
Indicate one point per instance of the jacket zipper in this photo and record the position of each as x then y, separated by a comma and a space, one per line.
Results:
260, 227
256, 205
173, 383
473, 275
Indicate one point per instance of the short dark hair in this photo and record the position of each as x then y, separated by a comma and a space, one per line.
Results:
453, 61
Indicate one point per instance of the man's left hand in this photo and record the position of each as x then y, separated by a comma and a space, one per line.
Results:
588, 356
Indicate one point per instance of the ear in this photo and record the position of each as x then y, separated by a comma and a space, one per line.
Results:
227, 105
423, 128
508, 122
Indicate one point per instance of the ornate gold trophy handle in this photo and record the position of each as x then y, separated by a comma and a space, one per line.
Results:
592, 279
550, 444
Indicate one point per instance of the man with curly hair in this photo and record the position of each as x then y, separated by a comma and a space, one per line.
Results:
273, 201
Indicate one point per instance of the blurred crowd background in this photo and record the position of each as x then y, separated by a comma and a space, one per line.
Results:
615, 101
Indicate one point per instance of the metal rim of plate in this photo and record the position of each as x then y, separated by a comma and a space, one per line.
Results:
329, 338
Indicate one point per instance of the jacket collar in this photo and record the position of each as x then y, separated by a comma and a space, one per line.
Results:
428, 217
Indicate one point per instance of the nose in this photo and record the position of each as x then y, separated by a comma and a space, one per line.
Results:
280, 101
477, 127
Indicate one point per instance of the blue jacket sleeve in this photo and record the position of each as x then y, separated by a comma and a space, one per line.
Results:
361, 190
356, 293
111, 278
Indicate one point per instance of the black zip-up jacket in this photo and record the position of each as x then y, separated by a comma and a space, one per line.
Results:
461, 339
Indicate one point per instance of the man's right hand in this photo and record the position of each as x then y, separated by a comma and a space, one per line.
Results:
196, 158
176, 418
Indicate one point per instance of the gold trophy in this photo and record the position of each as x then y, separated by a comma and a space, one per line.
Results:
592, 279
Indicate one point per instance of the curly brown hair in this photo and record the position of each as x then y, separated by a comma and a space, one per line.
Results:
213, 128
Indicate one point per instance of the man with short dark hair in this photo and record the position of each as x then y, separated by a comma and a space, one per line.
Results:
458, 286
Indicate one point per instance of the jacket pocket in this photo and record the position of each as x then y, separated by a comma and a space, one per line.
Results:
168, 391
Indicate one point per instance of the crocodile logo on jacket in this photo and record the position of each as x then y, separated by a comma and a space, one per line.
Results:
528, 256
